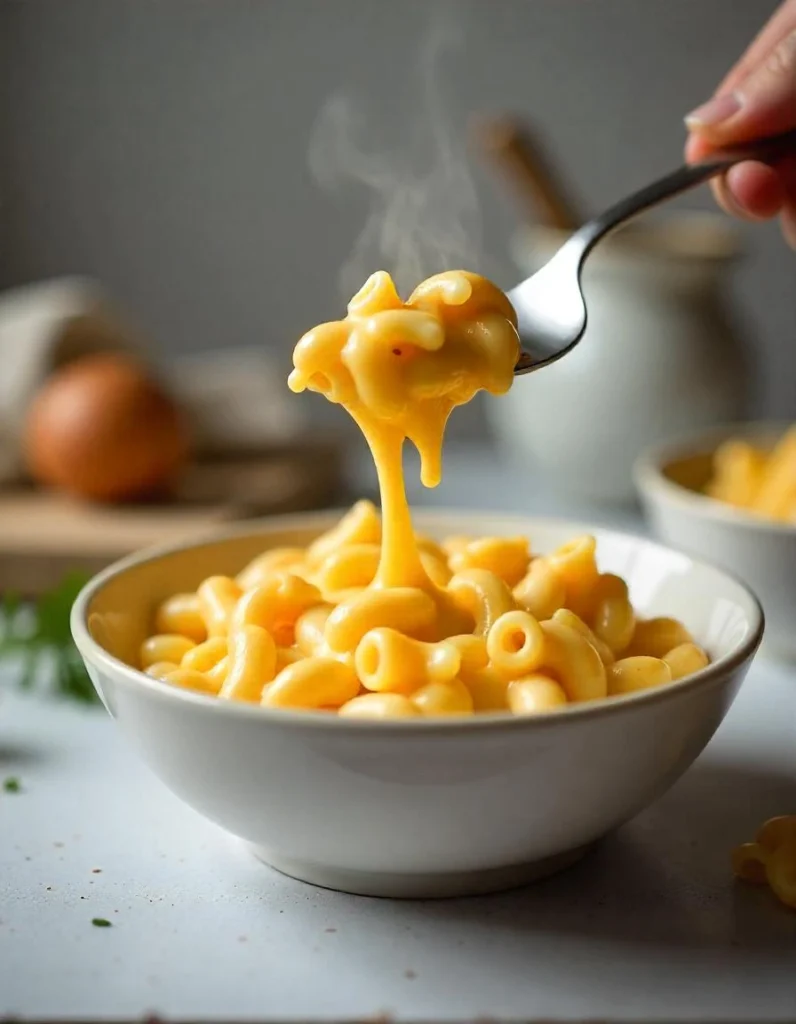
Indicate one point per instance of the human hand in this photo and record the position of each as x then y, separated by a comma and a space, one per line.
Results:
756, 99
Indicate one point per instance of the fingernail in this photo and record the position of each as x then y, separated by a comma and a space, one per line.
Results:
720, 108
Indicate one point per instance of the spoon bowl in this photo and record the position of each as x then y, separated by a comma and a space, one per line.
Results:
551, 310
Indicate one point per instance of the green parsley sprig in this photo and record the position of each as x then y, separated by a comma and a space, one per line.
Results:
37, 642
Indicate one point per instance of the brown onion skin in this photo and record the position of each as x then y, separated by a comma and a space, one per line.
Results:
102, 429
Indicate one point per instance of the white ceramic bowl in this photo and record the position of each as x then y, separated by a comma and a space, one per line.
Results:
670, 479
419, 808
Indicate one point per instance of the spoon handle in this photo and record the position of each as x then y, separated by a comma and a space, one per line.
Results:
766, 151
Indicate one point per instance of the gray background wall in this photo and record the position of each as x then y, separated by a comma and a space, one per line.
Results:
162, 146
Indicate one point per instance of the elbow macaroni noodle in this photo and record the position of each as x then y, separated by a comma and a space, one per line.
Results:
757, 480
372, 621
771, 859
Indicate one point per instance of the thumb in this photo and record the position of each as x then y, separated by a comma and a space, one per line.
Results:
762, 104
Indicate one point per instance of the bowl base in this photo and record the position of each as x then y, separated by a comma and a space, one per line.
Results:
420, 885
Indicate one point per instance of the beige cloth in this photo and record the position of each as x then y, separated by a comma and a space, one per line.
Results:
44, 326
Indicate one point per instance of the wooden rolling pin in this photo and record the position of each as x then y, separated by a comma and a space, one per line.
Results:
512, 148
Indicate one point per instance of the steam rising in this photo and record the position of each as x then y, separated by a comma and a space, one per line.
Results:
424, 214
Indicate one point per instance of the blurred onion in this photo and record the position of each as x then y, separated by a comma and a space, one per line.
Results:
101, 428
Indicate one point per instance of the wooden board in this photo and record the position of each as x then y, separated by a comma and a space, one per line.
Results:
43, 535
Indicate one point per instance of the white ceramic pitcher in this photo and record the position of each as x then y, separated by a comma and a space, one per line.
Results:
660, 356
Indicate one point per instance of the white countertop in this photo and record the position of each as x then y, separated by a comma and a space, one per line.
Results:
649, 927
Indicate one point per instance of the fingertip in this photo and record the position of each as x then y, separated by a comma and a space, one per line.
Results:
755, 190
726, 200
711, 118
696, 148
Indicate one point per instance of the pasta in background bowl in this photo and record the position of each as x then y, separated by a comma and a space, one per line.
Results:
424, 806
674, 482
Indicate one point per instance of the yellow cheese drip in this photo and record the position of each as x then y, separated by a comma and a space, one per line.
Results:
399, 368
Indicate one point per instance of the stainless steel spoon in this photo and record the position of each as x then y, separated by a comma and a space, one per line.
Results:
550, 307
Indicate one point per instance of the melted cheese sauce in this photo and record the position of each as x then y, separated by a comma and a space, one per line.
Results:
399, 369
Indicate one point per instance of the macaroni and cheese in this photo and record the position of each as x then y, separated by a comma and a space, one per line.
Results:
771, 859
372, 620
757, 480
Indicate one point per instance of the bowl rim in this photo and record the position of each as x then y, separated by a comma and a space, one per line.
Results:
651, 480
94, 654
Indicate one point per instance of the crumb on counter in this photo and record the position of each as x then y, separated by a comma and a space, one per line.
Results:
12, 785
100, 922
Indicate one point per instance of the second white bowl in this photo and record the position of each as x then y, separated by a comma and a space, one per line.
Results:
670, 480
